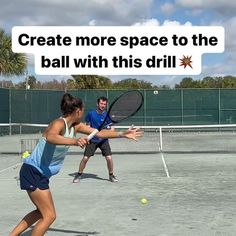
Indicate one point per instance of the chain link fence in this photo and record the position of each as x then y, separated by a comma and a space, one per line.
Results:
161, 107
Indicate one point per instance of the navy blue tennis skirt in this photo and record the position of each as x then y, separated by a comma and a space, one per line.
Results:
31, 178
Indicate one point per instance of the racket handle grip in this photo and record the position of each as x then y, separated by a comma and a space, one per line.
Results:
90, 136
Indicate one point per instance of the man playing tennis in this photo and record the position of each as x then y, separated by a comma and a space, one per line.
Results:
94, 119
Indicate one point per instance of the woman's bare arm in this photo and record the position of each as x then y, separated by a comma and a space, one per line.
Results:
133, 133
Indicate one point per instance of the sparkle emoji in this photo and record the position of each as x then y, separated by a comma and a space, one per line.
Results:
186, 61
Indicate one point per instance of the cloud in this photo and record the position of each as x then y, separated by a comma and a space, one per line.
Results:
218, 69
227, 65
168, 8
73, 12
155, 22
175, 23
92, 22
147, 22
222, 7
230, 35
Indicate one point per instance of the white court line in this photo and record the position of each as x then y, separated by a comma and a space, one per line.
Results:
165, 166
11, 167
163, 161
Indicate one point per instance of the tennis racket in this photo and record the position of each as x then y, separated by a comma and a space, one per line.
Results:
122, 108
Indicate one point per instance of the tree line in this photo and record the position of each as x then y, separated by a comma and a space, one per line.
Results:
101, 82
208, 82
78, 82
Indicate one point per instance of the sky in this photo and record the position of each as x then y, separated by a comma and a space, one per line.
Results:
128, 13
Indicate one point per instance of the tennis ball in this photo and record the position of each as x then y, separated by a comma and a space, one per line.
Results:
25, 154
144, 201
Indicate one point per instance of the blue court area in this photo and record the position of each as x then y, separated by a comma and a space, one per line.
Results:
188, 193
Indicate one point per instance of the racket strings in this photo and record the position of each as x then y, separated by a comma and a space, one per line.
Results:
126, 106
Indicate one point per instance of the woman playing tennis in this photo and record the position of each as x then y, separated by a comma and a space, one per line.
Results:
47, 158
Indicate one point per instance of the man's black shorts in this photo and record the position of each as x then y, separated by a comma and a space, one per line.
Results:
103, 146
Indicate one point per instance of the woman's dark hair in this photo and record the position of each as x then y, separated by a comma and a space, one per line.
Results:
69, 104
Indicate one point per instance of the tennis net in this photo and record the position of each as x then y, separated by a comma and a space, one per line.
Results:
17, 138
188, 139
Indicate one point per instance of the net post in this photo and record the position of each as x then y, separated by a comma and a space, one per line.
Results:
160, 133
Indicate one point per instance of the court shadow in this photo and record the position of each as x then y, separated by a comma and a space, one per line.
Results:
74, 232
88, 176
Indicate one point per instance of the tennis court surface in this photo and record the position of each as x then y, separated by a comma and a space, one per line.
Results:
189, 192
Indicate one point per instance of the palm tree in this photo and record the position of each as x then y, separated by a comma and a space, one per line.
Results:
10, 63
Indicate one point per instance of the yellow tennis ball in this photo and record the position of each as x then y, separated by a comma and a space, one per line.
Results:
25, 154
144, 201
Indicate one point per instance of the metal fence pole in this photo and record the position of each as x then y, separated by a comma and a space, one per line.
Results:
145, 107
10, 113
219, 107
182, 106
